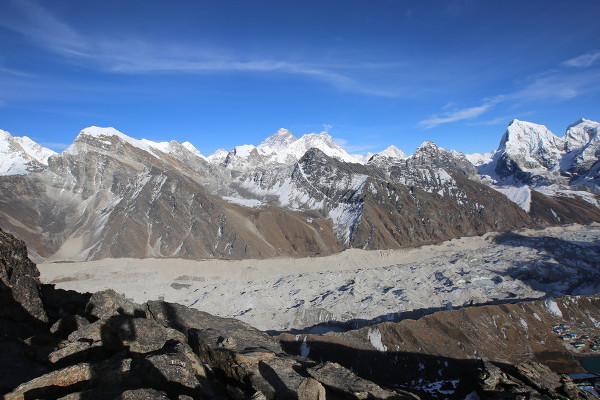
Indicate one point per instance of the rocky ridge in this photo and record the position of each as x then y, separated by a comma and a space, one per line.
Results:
288, 196
98, 346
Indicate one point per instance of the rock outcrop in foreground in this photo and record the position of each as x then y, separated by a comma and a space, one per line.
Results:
60, 344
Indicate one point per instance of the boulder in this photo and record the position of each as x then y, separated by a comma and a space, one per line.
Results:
15, 366
19, 282
116, 394
311, 389
139, 335
344, 382
529, 380
175, 369
73, 352
108, 303
74, 378
235, 350
68, 324
59, 302
141, 394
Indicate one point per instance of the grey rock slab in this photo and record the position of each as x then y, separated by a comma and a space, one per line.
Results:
20, 287
343, 381
108, 303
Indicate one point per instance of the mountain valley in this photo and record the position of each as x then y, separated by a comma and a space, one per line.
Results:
380, 276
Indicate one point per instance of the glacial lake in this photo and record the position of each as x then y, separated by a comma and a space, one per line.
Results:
591, 364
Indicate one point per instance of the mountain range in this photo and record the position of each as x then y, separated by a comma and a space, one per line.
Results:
109, 195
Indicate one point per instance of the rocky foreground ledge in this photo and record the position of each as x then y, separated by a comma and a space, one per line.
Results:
59, 344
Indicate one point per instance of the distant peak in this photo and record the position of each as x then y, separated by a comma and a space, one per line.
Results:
427, 145
582, 121
393, 152
283, 131
282, 137
518, 122
100, 131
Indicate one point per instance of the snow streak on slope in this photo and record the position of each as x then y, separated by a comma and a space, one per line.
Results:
521, 195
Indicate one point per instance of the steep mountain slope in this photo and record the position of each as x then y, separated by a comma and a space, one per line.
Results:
532, 155
109, 195
449, 343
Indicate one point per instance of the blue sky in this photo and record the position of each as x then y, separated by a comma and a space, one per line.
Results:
225, 73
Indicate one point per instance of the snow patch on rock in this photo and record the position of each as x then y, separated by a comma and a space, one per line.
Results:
374, 336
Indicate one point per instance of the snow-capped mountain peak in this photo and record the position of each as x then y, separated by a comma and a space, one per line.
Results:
426, 147
322, 141
283, 148
35, 150
21, 155
192, 149
104, 138
529, 137
530, 145
581, 133
281, 139
392, 152
218, 157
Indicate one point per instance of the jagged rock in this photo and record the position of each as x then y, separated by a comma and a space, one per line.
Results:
234, 349
116, 394
141, 394
140, 335
73, 352
15, 366
539, 376
68, 324
21, 314
343, 381
529, 380
175, 369
211, 331
72, 379
19, 282
90, 333
278, 377
311, 389
108, 303
60, 303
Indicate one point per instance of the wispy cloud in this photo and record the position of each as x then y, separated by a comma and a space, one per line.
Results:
491, 122
135, 56
453, 116
559, 84
14, 72
30, 19
583, 61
